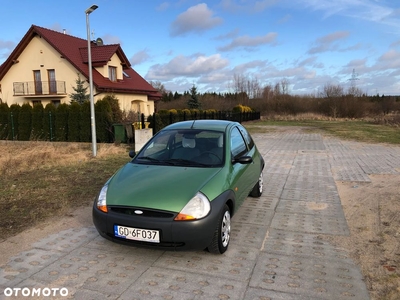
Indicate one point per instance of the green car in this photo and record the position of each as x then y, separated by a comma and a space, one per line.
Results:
182, 188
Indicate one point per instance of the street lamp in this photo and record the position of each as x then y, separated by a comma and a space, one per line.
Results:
92, 115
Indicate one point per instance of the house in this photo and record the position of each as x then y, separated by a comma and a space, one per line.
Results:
45, 65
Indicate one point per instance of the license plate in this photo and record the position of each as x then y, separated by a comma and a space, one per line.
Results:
137, 234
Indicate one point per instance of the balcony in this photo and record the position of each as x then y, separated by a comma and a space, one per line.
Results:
32, 89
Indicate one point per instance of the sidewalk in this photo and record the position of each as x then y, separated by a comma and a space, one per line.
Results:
276, 251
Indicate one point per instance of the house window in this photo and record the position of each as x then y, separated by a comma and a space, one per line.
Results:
112, 73
51, 74
34, 102
37, 82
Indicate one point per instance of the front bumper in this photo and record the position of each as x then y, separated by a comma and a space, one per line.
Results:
174, 235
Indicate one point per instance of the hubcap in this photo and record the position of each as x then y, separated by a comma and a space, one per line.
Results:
226, 229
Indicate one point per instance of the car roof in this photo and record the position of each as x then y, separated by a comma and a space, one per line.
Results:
219, 125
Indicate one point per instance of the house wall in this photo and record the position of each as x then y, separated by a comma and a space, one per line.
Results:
135, 103
39, 55
114, 62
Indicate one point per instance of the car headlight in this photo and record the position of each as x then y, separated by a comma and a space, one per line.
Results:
102, 199
198, 207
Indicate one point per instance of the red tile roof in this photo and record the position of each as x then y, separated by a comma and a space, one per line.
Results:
75, 51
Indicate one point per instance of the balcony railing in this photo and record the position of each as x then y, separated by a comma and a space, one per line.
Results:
38, 88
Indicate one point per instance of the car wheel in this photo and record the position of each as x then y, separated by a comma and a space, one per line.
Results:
258, 188
222, 234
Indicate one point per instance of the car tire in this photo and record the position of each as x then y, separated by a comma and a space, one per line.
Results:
258, 187
222, 233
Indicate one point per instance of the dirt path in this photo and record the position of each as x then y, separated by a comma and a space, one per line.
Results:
372, 212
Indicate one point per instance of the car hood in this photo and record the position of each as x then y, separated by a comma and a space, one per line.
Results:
157, 187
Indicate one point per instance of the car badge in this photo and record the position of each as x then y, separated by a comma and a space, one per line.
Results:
138, 212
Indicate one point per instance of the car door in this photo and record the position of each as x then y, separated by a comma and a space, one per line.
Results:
254, 171
241, 174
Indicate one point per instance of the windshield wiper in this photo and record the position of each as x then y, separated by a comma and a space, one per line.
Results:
149, 158
186, 162
155, 160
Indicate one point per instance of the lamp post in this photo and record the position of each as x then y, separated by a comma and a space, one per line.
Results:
92, 114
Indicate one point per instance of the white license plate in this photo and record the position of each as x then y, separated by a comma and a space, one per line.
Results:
137, 234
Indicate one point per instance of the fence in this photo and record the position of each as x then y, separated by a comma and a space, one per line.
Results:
159, 121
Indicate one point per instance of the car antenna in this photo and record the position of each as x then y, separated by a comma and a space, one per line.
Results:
191, 127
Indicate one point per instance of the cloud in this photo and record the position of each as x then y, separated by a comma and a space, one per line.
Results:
328, 42
231, 34
389, 60
248, 6
8, 45
251, 65
197, 18
163, 6
247, 42
366, 10
6, 48
285, 19
181, 65
139, 57
111, 39
311, 61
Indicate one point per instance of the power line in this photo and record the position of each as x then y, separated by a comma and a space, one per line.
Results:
354, 78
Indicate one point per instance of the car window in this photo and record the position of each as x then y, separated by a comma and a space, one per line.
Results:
186, 147
159, 144
238, 145
247, 137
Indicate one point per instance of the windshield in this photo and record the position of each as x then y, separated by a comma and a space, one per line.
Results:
189, 148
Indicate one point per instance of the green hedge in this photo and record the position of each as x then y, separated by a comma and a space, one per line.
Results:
62, 123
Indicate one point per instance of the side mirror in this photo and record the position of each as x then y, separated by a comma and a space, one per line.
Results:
132, 154
243, 160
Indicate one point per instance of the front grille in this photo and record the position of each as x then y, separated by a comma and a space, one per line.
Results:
146, 212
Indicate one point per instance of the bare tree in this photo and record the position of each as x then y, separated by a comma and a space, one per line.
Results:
267, 92
159, 87
354, 91
332, 91
285, 86
249, 86
277, 89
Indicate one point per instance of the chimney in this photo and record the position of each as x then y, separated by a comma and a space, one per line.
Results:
64, 31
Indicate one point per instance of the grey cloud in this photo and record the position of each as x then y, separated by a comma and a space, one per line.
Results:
327, 42
247, 41
187, 66
163, 6
197, 18
249, 6
139, 57
111, 39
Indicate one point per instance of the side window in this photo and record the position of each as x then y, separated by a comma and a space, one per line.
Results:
238, 145
247, 137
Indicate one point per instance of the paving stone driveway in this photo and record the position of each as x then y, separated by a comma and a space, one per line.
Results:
275, 253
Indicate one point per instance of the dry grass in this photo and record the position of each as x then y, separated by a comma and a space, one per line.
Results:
41, 180
27, 156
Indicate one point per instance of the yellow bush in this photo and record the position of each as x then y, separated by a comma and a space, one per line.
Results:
241, 109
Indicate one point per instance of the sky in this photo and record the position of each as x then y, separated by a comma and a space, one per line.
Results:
309, 44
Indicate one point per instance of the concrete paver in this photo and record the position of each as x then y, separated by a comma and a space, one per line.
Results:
276, 251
